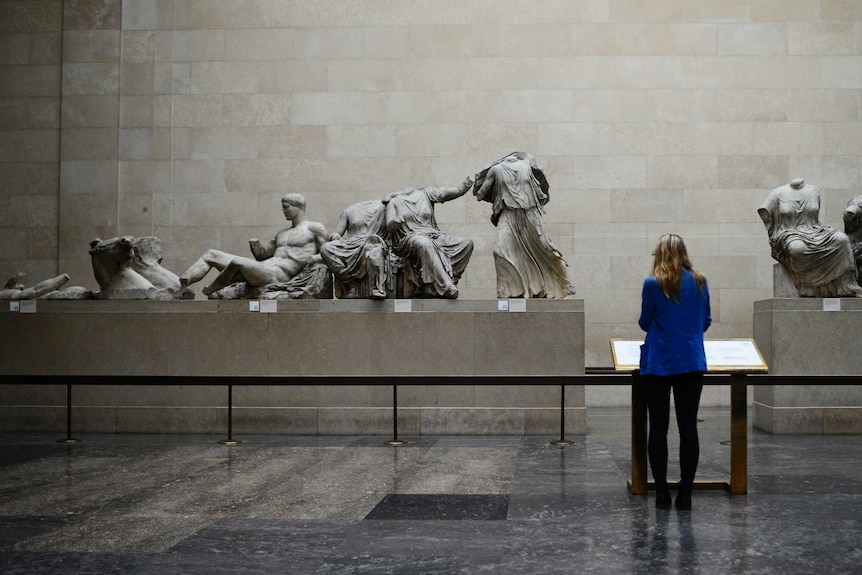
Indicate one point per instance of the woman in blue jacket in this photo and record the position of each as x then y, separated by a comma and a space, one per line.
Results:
674, 312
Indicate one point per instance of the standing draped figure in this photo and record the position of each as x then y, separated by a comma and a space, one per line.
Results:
527, 262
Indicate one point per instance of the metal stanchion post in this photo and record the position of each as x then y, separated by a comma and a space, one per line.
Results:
68, 438
562, 440
230, 440
395, 440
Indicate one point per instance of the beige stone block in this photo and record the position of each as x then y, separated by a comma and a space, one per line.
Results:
753, 73
612, 239
710, 10
365, 421
701, 238
682, 171
256, 110
788, 138
326, 108
648, 139
629, 271
827, 171
655, 72
198, 177
419, 107
822, 106
14, 49
198, 45
752, 172
43, 113
735, 272
840, 72
135, 111
29, 178
91, 79
358, 141
610, 172
752, 39
223, 78
785, 10
136, 144
821, 39
737, 304
548, 40
282, 77
93, 14
135, 177
581, 206
196, 111
27, 81
496, 73
438, 140
89, 209
45, 48
581, 138
590, 272
215, 143
721, 205
89, 144
250, 44
14, 114
840, 10
88, 46
597, 308
139, 15
90, 111
702, 138
635, 11
41, 244
162, 144
86, 176
24, 211
365, 75
739, 105
203, 14
843, 139
743, 239
163, 78
136, 210
137, 78
633, 206
29, 146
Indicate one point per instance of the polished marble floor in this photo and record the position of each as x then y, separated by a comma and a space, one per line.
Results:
503, 505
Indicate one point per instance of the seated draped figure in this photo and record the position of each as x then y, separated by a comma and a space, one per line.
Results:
818, 258
853, 229
357, 252
283, 267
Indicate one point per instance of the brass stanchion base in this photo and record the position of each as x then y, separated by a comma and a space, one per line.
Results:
561, 441
394, 442
230, 442
68, 440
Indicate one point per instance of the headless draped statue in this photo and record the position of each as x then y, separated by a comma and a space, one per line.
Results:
526, 260
818, 258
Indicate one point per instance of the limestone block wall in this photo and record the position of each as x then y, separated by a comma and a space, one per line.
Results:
188, 119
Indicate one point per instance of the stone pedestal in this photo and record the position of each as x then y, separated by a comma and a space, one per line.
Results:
302, 337
797, 337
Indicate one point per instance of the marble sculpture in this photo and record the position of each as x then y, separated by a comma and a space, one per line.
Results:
818, 258
526, 260
853, 229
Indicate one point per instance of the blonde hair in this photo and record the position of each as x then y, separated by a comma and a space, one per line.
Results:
671, 258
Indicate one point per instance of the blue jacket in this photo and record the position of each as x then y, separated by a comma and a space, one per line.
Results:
674, 340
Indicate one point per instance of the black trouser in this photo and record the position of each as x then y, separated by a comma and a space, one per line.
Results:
686, 398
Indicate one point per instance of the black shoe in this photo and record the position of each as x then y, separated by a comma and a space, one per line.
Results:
683, 500
662, 500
